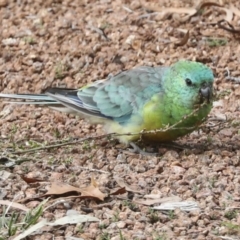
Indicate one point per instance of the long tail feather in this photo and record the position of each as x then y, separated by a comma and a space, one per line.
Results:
30, 98
63, 100
37, 99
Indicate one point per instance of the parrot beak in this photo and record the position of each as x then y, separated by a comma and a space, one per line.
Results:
205, 93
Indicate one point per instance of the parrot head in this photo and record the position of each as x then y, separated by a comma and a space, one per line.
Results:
190, 83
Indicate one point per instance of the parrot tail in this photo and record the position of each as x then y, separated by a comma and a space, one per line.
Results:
60, 99
37, 99
41, 99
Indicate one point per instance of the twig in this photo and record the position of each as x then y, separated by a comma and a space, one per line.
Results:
62, 144
100, 206
235, 79
148, 15
100, 31
10, 162
127, 9
55, 203
230, 27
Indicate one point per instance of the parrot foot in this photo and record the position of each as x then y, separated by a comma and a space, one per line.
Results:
137, 149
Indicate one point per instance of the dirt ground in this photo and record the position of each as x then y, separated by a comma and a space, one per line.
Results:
71, 43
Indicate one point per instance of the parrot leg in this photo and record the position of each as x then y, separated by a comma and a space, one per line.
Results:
137, 149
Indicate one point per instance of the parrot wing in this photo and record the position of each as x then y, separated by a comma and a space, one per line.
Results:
123, 94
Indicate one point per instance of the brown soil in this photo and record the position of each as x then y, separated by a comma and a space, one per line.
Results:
71, 43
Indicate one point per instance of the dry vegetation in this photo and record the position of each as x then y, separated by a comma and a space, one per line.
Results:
71, 43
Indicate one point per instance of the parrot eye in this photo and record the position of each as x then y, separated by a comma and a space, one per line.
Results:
188, 82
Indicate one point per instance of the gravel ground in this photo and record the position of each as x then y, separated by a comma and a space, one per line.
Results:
71, 43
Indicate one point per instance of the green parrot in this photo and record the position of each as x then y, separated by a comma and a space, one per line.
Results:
173, 100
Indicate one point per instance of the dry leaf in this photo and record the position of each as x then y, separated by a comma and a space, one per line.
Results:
89, 192
229, 27
31, 180
92, 191
204, 4
58, 188
73, 219
122, 184
189, 11
14, 205
184, 40
76, 219
149, 202
235, 10
229, 14
184, 206
118, 191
